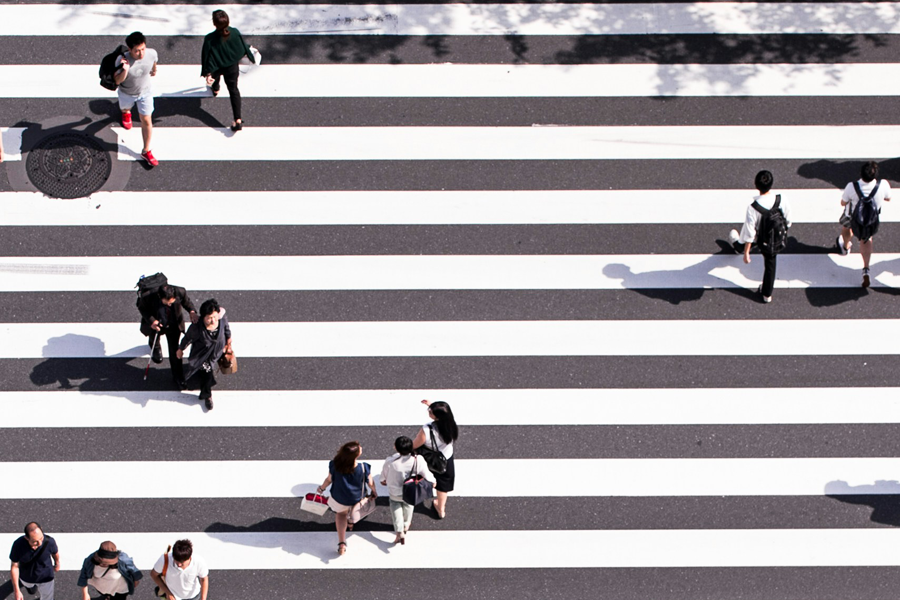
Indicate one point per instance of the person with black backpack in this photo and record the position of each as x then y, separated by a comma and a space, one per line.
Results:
862, 201
766, 226
162, 309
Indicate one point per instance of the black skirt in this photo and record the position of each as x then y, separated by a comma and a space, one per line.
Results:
446, 479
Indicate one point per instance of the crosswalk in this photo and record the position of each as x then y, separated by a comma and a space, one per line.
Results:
517, 208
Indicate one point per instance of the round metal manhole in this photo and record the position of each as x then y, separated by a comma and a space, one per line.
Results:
68, 165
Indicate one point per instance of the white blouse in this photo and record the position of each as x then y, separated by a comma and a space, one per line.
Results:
445, 449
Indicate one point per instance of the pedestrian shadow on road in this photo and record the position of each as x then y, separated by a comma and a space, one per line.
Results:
840, 173
321, 546
163, 107
883, 496
96, 375
688, 284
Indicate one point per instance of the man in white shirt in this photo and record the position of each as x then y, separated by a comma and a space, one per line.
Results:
766, 200
880, 192
180, 574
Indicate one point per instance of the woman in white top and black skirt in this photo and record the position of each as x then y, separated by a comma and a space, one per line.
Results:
445, 431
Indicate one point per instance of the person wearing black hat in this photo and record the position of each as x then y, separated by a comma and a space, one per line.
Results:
108, 574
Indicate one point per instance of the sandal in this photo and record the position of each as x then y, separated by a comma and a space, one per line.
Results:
342, 548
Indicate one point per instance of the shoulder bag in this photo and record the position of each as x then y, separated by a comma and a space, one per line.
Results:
417, 489
434, 458
228, 363
366, 504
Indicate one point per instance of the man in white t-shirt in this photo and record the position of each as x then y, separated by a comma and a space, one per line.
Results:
880, 192
744, 241
180, 574
135, 68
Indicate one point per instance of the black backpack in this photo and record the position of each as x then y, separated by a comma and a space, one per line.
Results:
149, 285
771, 232
108, 68
865, 219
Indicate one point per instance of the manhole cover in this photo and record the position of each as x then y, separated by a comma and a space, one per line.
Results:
68, 165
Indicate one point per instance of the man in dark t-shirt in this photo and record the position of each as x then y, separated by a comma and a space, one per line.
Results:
35, 560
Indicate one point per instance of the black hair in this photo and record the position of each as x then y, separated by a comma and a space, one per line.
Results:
166, 292
209, 307
135, 39
764, 181
182, 550
30, 527
869, 171
346, 456
403, 445
221, 21
443, 419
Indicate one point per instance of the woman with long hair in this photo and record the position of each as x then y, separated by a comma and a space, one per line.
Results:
439, 435
347, 478
222, 51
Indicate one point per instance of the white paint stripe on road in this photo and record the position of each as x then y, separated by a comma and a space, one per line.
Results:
445, 272
537, 207
800, 337
498, 549
480, 81
617, 477
457, 19
516, 143
385, 408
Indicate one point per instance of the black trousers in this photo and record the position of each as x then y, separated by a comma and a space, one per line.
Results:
231, 75
173, 336
207, 381
770, 261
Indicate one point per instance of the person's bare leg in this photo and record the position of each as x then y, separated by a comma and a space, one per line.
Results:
146, 130
846, 234
340, 521
440, 504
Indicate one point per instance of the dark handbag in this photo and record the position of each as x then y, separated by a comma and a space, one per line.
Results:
417, 489
435, 459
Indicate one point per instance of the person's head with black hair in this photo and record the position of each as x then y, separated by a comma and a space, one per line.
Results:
403, 445
443, 419
166, 293
134, 40
869, 171
182, 550
764, 181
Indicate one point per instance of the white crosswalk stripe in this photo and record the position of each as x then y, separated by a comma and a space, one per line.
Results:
629, 408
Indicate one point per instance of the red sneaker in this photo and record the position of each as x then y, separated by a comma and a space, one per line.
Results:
148, 156
126, 120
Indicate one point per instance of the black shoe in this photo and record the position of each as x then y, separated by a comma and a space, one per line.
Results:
237, 126
181, 383
209, 403
157, 354
215, 89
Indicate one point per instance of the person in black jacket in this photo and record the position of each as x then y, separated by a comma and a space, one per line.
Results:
163, 314
209, 340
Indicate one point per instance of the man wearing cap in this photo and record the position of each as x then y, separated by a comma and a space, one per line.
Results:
35, 561
109, 574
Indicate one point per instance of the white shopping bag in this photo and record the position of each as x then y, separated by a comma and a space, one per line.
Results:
245, 65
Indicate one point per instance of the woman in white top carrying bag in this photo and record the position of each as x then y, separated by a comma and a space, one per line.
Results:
439, 435
398, 468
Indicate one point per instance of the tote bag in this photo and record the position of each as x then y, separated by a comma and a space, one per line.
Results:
366, 504
417, 489
315, 503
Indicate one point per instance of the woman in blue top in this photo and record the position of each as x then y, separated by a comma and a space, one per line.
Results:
347, 478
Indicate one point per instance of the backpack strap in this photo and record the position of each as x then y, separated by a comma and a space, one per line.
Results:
764, 212
863, 196
777, 204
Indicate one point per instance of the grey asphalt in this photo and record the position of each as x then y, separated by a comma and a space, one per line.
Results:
532, 442
478, 372
471, 305
469, 514
509, 49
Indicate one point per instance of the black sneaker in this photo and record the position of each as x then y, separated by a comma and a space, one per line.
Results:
209, 403
157, 354
865, 278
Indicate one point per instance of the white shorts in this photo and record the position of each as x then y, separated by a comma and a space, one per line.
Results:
337, 506
144, 103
